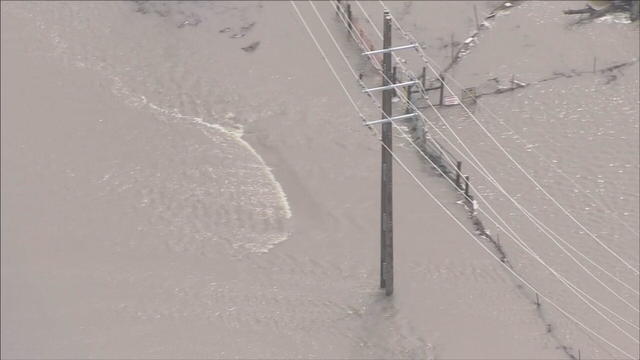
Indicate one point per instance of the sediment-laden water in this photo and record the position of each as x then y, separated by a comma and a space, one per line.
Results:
186, 179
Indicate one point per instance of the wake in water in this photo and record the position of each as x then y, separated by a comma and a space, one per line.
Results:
223, 193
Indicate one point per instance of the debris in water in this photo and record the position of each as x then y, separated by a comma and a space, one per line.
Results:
610, 78
191, 20
243, 30
252, 47
246, 28
616, 6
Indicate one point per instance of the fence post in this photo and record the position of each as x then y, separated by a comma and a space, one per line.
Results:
441, 89
419, 130
458, 172
349, 15
466, 187
424, 77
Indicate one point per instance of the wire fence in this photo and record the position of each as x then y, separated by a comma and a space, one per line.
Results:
437, 154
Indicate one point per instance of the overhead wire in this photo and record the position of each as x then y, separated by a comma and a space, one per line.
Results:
564, 210
564, 312
519, 240
522, 209
410, 38
540, 225
408, 171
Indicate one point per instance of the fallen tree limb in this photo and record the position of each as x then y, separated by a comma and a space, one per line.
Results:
587, 10
630, 6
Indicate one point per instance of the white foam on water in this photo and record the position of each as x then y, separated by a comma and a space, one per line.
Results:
247, 242
268, 241
236, 135
617, 17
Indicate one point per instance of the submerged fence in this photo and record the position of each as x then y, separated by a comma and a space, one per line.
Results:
429, 146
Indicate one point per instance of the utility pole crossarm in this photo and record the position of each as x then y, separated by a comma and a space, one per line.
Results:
381, 51
392, 86
391, 119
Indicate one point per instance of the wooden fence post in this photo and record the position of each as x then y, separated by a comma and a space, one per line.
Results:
466, 186
458, 172
441, 89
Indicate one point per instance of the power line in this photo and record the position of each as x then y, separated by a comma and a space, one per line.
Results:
526, 213
492, 180
510, 129
519, 241
564, 210
489, 177
447, 211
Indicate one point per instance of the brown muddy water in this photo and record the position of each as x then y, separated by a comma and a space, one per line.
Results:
187, 180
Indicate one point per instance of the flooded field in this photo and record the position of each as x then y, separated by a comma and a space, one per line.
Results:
188, 180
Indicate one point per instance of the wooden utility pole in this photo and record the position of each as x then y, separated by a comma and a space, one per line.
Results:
386, 203
441, 89
388, 89
466, 187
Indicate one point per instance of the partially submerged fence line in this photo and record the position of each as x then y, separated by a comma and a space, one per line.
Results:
429, 146
431, 149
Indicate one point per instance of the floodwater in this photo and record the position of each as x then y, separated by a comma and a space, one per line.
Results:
577, 135
185, 180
